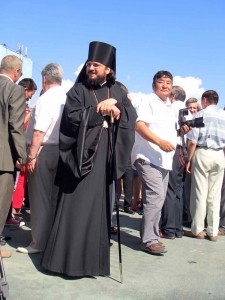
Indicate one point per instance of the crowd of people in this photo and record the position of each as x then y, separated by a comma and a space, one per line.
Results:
77, 151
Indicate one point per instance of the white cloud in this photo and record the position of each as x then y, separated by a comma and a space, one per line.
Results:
191, 85
136, 98
79, 68
67, 84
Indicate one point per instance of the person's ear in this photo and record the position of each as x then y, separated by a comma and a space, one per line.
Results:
153, 87
107, 70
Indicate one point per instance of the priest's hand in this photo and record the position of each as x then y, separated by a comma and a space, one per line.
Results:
115, 112
104, 107
108, 107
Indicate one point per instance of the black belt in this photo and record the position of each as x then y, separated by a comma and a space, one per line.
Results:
206, 148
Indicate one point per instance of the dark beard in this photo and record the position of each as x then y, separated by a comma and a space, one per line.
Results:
94, 83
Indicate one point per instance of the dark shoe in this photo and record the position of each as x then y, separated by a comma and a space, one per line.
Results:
157, 248
167, 236
14, 222
140, 212
129, 211
200, 235
179, 235
5, 238
113, 230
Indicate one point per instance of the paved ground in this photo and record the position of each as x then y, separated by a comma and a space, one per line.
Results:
192, 269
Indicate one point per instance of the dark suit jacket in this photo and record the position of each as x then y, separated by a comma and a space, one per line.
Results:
12, 113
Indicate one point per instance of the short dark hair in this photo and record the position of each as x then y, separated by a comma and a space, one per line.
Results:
111, 78
28, 83
161, 74
178, 92
211, 96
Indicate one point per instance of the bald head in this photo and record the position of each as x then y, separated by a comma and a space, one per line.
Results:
11, 66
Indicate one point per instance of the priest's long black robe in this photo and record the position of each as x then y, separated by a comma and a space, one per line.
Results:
79, 242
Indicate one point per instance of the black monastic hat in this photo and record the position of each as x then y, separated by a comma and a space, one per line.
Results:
102, 53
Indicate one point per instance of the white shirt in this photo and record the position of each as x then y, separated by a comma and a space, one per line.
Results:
136, 102
46, 115
161, 121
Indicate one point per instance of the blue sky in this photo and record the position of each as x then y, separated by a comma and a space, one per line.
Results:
184, 37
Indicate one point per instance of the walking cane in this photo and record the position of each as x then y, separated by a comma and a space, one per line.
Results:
116, 198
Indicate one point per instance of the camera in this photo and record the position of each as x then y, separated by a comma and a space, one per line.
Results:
184, 119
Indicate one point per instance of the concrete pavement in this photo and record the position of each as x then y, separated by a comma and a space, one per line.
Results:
192, 269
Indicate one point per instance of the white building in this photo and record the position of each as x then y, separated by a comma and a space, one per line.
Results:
27, 62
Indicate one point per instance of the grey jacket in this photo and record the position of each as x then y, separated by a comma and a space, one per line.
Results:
12, 113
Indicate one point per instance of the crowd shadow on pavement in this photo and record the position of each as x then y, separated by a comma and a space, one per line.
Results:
129, 230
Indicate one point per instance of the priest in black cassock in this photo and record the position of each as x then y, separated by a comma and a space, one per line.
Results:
79, 243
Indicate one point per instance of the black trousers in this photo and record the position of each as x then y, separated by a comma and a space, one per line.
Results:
172, 211
186, 200
128, 186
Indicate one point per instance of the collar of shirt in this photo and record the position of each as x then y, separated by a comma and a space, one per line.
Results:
167, 102
6, 76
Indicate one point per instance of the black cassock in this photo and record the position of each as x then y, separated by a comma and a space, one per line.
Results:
79, 243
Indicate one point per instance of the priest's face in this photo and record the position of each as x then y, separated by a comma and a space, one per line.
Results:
96, 72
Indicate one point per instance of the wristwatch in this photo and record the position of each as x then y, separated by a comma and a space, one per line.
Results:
30, 158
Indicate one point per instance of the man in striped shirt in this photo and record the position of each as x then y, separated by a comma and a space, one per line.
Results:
206, 163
